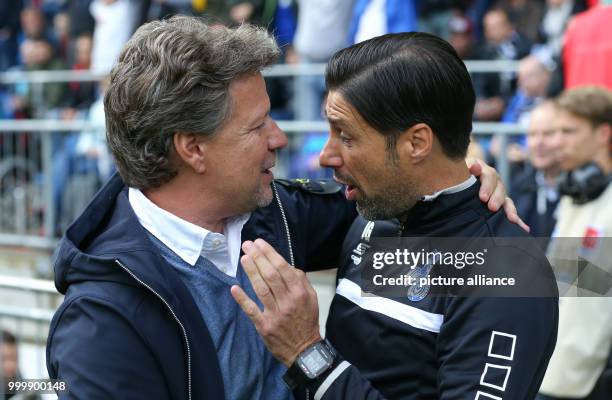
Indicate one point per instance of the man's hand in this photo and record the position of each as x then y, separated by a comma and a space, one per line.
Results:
289, 322
493, 192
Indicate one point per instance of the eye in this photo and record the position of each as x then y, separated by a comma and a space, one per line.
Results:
345, 139
258, 127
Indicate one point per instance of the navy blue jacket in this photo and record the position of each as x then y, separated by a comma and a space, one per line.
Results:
424, 342
128, 326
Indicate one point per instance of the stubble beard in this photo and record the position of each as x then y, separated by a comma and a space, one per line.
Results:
395, 199
263, 196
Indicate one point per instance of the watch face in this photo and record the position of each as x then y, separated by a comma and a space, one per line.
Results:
313, 362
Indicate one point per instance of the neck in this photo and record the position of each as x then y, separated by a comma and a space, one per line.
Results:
196, 206
550, 174
604, 161
443, 173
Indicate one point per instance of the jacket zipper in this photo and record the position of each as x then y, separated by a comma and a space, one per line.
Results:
280, 206
126, 269
277, 197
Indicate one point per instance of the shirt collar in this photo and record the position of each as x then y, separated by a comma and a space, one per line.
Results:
182, 237
450, 190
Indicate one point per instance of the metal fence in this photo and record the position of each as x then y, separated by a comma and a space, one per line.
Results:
42, 190
26, 309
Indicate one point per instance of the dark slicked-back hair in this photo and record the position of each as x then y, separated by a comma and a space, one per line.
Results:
398, 80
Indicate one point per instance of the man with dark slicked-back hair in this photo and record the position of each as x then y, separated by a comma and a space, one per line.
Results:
400, 108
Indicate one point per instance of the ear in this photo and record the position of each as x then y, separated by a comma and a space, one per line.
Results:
416, 143
189, 148
604, 134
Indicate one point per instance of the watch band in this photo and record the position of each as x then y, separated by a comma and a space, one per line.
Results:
295, 377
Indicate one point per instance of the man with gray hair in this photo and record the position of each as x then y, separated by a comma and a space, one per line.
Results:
147, 268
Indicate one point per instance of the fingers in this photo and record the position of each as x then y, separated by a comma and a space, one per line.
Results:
474, 167
269, 270
487, 176
276, 260
295, 280
248, 306
260, 286
498, 197
512, 214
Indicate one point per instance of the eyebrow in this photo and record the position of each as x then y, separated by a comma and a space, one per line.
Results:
256, 121
343, 125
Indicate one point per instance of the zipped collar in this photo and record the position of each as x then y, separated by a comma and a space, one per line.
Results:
106, 243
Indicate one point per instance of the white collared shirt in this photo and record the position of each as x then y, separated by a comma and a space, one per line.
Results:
190, 241
450, 190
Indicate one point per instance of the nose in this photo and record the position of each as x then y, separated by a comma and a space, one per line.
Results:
556, 140
329, 156
277, 138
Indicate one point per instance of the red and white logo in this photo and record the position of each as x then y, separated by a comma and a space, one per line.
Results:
591, 238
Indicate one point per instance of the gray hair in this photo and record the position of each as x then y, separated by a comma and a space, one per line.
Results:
174, 76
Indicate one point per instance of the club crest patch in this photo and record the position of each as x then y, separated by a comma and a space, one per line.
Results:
419, 290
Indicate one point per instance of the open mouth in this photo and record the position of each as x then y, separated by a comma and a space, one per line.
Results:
351, 192
268, 171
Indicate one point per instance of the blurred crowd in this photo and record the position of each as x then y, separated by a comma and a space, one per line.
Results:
547, 37
89, 34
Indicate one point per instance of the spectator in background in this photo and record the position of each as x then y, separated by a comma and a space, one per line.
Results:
475, 12
33, 24
216, 10
534, 75
581, 367
555, 20
61, 34
376, 17
322, 29
38, 55
81, 20
535, 190
10, 362
533, 79
435, 16
9, 28
552, 31
259, 12
161, 9
113, 27
461, 36
149, 10
81, 94
280, 18
587, 50
85, 163
503, 42
92, 144
526, 14
9, 358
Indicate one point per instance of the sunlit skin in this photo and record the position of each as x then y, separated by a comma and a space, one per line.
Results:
541, 140
385, 184
578, 142
533, 77
227, 174
9, 360
497, 28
